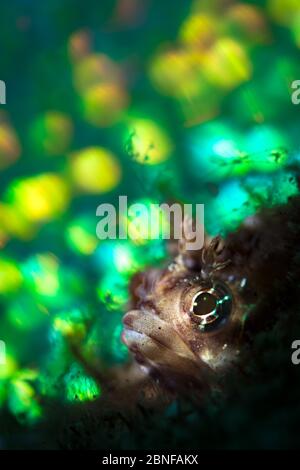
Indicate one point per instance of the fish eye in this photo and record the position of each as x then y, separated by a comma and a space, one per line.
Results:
210, 307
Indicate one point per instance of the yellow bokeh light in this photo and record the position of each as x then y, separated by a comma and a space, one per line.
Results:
8, 369
99, 83
199, 30
177, 73
40, 198
12, 223
227, 64
10, 276
104, 103
81, 238
71, 323
147, 142
43, 273
95, 170
95, 69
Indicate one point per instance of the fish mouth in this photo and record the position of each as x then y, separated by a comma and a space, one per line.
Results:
157, 346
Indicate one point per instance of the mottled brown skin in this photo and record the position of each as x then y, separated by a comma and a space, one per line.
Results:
254, 263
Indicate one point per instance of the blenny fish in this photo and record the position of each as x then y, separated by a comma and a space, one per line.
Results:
189, 321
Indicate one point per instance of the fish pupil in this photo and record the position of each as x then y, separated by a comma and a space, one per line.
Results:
204, 304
